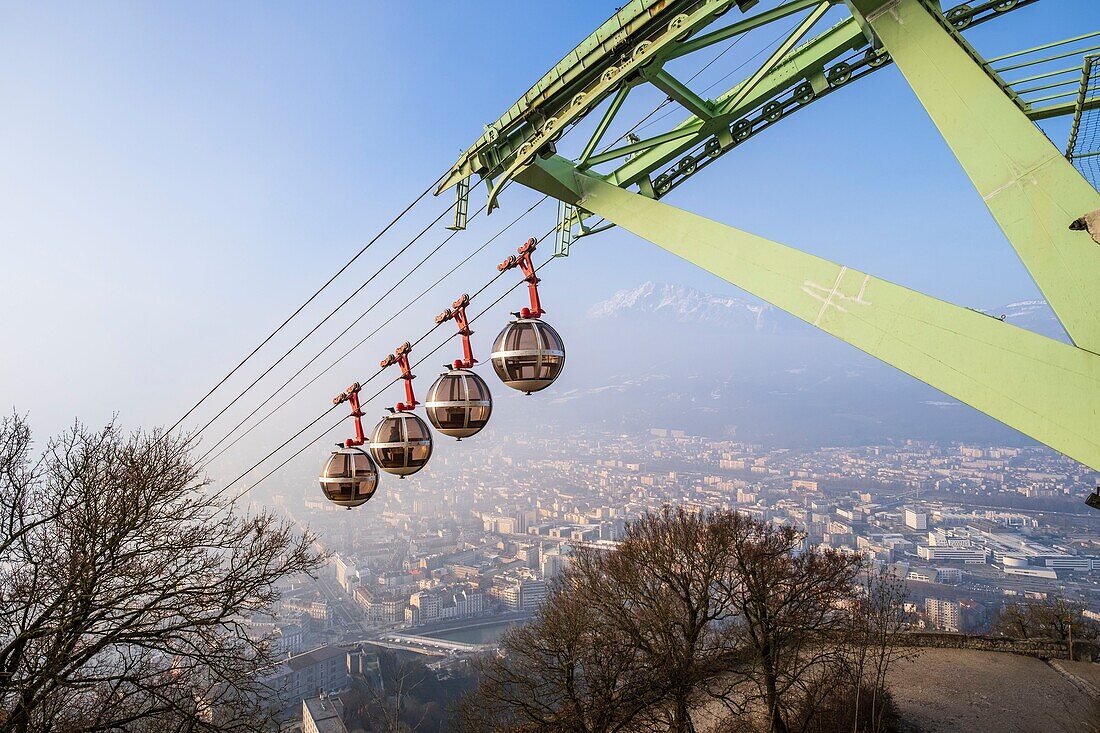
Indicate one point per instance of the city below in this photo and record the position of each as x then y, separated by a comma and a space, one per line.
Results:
291, 444
442, 563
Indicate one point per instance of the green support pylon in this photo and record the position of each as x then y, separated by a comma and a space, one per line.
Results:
1032, 191
1041, 387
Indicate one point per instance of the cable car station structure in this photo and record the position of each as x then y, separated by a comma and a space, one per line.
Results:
1042, 387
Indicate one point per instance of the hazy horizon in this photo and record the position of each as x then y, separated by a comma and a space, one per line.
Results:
177, 181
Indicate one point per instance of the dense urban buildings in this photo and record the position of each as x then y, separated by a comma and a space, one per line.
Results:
439, 564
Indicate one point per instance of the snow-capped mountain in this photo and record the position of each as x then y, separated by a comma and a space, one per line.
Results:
1026, 309
682, 304
1034, 315
671, 355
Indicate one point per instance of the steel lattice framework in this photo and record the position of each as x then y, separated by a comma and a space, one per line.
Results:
1042, 387
1084, 137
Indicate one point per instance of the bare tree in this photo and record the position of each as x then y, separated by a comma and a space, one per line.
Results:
1054, 617
788, 604
632, 639
401, 694
690, 609
125, 587
565, 671
390, 705
666, 588
877, 613
1014, 620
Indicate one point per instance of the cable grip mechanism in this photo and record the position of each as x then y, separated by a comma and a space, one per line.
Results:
351, 395
457, 313
524, 262
400, 357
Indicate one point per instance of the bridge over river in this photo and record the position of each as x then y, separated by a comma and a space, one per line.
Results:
437, 639
429, 645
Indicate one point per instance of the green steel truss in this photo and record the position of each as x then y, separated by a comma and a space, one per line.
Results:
1042, 387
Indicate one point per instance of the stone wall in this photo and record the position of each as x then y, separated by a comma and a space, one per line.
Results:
1042, 648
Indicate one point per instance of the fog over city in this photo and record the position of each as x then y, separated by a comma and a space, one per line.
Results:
251, 298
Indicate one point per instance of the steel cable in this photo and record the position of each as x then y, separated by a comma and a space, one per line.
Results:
323, 321
309, 300
321, 437
371, 378
347, 353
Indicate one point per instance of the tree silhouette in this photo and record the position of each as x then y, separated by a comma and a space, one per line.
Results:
568, 670
1055, 617
126, 585
789, 607
693, 610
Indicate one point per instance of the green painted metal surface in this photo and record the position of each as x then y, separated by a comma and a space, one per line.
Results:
632, 47
1039, 386
594, 69
1032, 191
796, 67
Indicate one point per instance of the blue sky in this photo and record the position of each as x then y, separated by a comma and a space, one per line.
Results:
176, 177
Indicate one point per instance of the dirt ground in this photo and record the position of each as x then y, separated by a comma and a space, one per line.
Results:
955, 690
1090, 673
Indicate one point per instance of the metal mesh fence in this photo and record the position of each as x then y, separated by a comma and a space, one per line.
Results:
1083, 149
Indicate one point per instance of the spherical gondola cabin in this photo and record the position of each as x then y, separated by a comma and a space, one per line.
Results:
401, 443
459, 403
350, 477
528, 355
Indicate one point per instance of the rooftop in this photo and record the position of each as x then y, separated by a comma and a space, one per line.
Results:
325, 712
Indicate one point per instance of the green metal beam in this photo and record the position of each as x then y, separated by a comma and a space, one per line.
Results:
740, 27
640, 147
1062, 109
648, 33
1044, 87
777, 55
1039, 386
795, 65
1044, 75
1032, 191
645, 29
1044, 47
1062, 95
1046, 59
679, 92
608, 115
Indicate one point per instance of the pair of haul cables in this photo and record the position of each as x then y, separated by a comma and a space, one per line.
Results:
282, 326
385, 229
401, 443
528, 355
213, 452
533, 351
303, 306
195, 435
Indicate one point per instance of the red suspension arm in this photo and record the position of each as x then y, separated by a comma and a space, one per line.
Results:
400, 357
524, 263
351, 395
457, 311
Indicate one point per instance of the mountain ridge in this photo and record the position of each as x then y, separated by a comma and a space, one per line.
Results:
684, 304
676, 303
